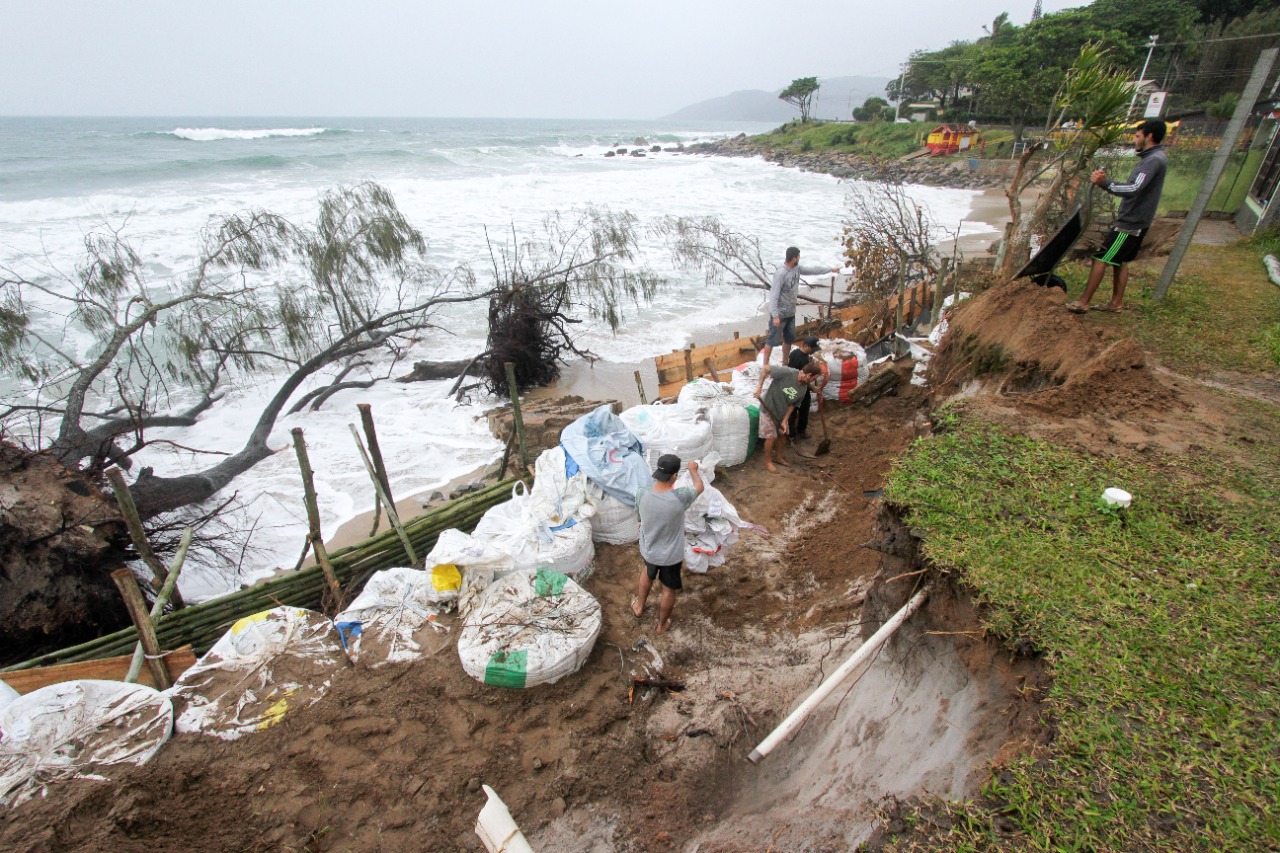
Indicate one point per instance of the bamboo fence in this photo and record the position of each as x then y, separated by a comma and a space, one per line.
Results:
201, 625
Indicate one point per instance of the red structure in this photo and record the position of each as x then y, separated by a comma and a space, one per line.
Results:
950, 138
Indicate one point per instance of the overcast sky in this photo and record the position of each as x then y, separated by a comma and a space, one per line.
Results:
548, 58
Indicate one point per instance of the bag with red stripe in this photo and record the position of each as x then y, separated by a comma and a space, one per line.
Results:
847, 368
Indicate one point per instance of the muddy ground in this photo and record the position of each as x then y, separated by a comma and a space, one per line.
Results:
393, 759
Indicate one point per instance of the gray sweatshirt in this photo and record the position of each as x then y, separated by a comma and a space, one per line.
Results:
786, 281
1140, 195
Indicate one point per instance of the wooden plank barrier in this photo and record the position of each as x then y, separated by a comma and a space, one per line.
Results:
108, 669
861, 323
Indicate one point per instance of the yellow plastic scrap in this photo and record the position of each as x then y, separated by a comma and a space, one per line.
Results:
276, 712
249, 620
446, 576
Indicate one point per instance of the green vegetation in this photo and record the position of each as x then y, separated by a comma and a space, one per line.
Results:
879, 139
800, 95
1188, 164
1159, 624
1012, 74
1209, 321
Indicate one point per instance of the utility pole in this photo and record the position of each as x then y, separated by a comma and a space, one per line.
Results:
897, 108
1251, 91
1151, 45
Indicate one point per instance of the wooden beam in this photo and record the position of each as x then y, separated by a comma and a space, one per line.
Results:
141, 616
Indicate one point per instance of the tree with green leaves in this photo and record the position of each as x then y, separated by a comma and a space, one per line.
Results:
1094, 96
800, 95
872, 109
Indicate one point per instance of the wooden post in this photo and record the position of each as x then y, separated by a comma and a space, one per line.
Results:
139, 536
644, 401
688, 364
935, 313
831, 299
157, 607
902, 286
313, 516
715, 377
516, 417
392, 515
371, 436
137, 606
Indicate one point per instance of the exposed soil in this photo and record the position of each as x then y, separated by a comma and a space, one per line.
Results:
392, 758
60, 539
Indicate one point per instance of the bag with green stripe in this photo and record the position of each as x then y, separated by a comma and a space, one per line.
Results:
529, 628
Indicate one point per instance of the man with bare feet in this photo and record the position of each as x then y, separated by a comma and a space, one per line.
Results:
662, 509
1140, 196
776, 405
783, 292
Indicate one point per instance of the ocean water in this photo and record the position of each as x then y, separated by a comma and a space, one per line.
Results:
159, 181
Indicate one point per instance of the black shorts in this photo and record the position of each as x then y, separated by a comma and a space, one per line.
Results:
1119, 248
669, 576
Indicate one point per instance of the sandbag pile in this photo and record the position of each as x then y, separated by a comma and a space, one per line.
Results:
529, 628
396, 614
734, 418
77, 730
517, 528
268, 664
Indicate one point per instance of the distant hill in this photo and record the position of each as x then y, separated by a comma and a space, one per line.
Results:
835, 99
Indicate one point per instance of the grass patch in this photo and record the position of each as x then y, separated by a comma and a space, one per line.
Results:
879, 140
1220, 312
1161, 626
1187, 169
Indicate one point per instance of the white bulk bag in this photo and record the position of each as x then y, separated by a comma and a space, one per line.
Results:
534, 543
614, 522
76, 730
701, 392
529, 628
555, 496
7, 694
731, 431
268, 664
677, 429
395, 614
847, 368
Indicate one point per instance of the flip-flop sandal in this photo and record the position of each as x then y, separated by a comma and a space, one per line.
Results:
1076, 309
1107, 309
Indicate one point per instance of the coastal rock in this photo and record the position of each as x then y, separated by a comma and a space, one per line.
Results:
640, 140
655, 149
610, 154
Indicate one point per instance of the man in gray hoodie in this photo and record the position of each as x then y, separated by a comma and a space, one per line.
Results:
1140, 195
782, 302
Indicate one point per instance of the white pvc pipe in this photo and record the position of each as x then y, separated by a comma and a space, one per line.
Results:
793, 721
497, 829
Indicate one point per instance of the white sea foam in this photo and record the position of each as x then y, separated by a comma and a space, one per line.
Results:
209, 134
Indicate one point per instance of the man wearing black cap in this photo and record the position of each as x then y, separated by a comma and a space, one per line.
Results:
798, 358
662, 534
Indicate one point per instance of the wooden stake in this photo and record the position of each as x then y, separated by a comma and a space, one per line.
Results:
688, 364
139, 536
644, 401
371, 436
516, 417
935, 314
715, 377
386, 498
162, 598
902, 286
137, 606
313, 516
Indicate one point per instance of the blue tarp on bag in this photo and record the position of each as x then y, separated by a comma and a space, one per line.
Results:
608, 453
